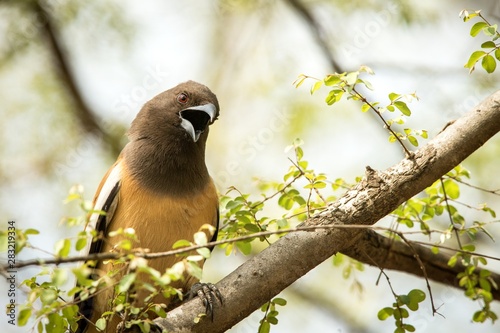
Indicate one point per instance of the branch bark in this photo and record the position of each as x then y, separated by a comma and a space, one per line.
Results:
380, 192
382, 252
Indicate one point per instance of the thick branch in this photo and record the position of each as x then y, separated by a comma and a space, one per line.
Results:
380, 192
375, 249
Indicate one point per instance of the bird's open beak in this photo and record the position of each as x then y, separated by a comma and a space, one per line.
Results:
196, 119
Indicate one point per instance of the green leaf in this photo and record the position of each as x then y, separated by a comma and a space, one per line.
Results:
413, 140
204, 252
31, 232
316, 86
332, 80
474, 57
334, 96
452, 261
24, 316
497, 54
181, 243
469, 248
279, 301
251, 227
80, 244
393, 96
59, 277
477, 27
385, 313
490, 30
416, 295
126, 282
101, 324
365, 107
488, 45
409, 328
200, 238
264, 327
452, 189
244, 247
403, 108
351, 78
63, 247
300, 79
489, 64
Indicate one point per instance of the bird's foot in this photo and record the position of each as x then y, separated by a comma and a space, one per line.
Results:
208, 293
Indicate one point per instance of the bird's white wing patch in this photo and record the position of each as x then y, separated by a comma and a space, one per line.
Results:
106, 201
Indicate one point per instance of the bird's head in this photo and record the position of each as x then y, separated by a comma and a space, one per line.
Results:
183, 112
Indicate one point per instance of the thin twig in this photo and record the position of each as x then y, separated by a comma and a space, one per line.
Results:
142, 254
455, 229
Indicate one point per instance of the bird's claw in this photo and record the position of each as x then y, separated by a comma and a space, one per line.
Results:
208, 293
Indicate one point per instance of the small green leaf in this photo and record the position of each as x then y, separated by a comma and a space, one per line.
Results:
300, 79
264, 327
490, 30
181, 243
200, 238
63, 247
126, 282
31, 232
413, 140
244, 247
452, 261
80, 244
385, 313
59, 277
393, 96
279, 301
101, 324
452, 189
332, 80
497, 54
488, 45
477, 27
252, 227
24, 316
474, 57
489, 64
316, 86
416, 295
409, 328
403, 108
334, 96
204, 252
469, 247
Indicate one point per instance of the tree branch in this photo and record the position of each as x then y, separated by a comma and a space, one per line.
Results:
386, 253
317, 32
378, 193
83, 112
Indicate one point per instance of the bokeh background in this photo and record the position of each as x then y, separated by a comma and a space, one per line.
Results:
73, 74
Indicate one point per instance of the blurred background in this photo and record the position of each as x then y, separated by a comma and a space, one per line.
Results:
73, 75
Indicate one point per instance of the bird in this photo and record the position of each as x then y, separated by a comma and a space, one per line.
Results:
160, 187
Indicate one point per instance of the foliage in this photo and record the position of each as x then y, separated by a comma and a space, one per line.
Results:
399, 311
490, 50
270, 314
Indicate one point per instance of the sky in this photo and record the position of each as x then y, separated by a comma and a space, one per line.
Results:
249, 56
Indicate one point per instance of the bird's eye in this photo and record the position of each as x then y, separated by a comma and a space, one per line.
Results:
182, 98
